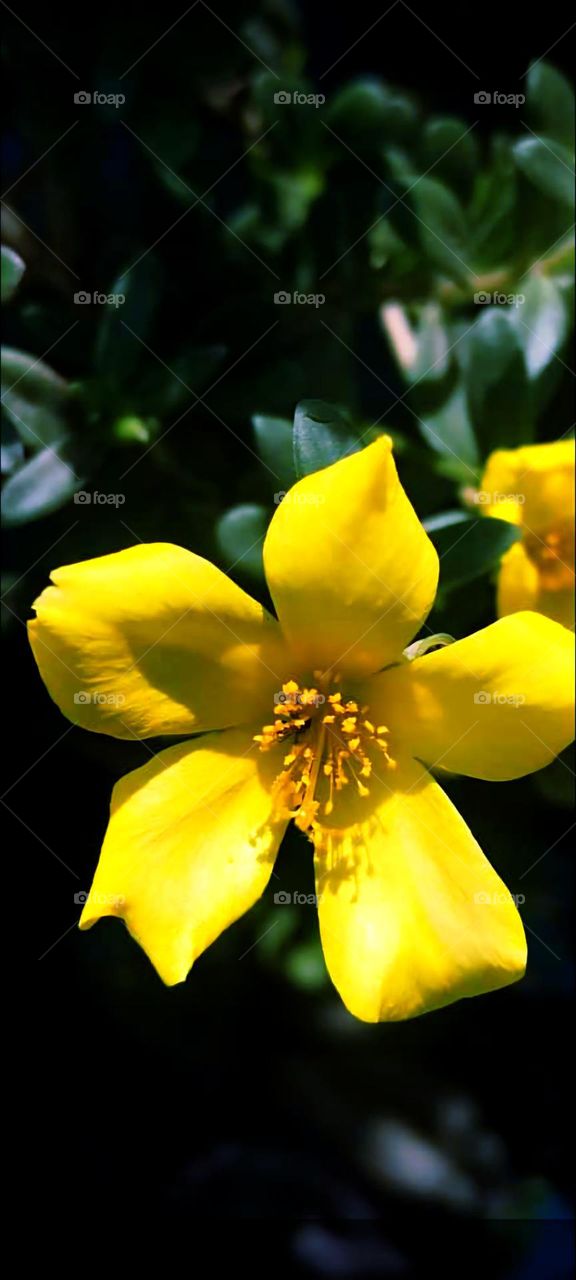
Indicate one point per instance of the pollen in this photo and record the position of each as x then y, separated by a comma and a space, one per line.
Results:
553, 555
331, 747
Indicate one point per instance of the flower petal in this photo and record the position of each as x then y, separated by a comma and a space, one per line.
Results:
350, 569
154, 640
189, 848
496, 705
412, 915
521, 586
533, 486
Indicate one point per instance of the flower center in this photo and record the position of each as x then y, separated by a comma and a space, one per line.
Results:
330, 743
553, 555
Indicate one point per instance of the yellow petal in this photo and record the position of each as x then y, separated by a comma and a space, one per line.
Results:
496, 705
521, 586
412, 916
189, 848
154, 640
532, 486
350, 569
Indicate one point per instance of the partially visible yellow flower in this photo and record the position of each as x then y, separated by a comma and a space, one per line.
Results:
533, 487
319, 717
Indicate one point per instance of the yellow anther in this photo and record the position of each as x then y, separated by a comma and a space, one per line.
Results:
328, 751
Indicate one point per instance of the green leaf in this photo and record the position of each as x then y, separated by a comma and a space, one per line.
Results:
442, 227
468, 546
549, 166
295, 192
34, 397
500, 401
12, 447
41, 486
432, 346
162, 391
240, 535
450, 147
493, 211
13, 269
124, 328
368, 112
541, 322
450, 433
322, 435
305, 967
274, 445
550, 102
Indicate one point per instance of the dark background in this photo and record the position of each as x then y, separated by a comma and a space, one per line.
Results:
243, 1093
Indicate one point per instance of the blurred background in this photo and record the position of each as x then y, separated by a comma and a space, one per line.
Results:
158, 195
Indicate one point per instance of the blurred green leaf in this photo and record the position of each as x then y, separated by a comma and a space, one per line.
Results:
12, 447
367, 112
493, 212
432, 346
500, 402
442, 229
35, 398
322, 435
450, 433
449, 146
549, 165
13, 269
305, 966
240, 534
541, 322
123, 329
550, 102
274, 445
468, 546
163, 391
40, 486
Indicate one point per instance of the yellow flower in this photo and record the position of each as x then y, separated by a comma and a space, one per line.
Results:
533, 487
319, 717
